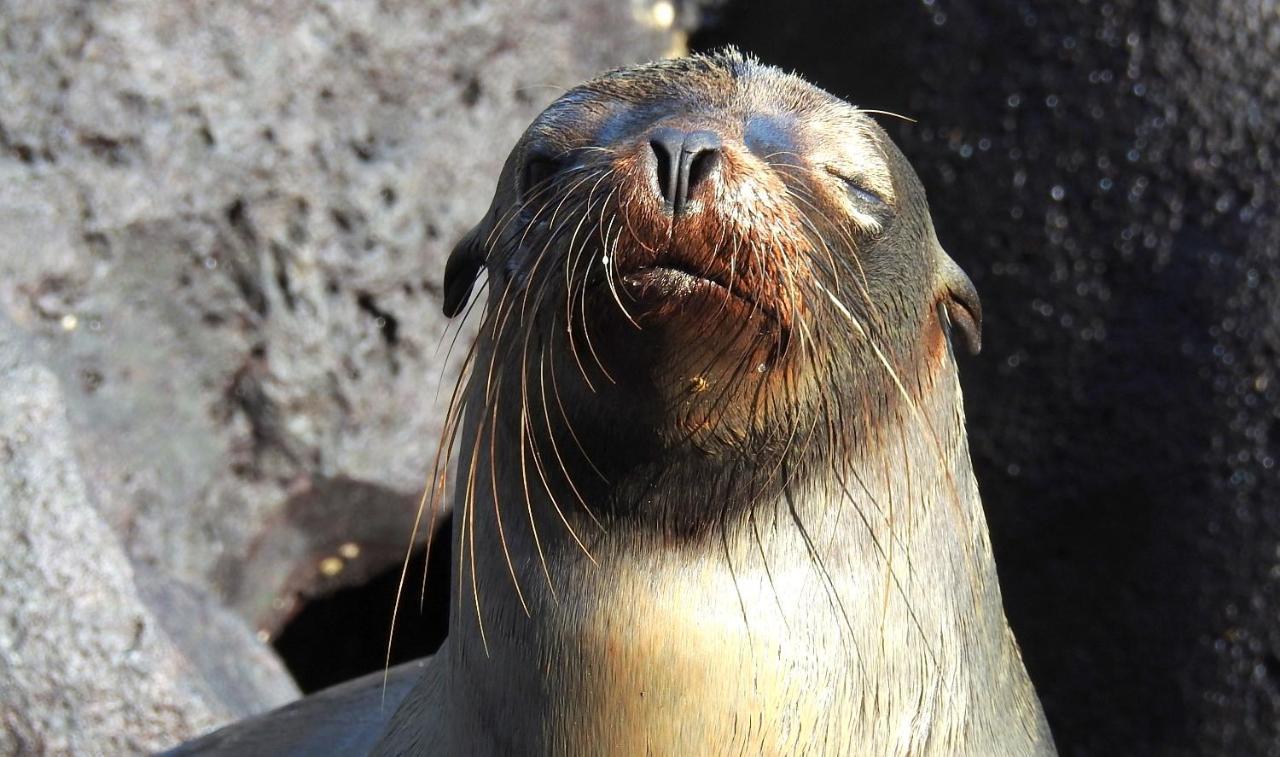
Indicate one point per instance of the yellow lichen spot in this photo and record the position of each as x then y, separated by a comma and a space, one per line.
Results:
698, 385
69, 322
331, 566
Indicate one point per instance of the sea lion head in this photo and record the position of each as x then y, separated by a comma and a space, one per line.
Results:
709, 256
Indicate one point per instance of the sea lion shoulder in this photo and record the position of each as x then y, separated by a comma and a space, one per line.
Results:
343, 720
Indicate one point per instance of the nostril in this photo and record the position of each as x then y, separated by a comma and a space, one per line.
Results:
663, 169
666, 144
701, 165
699, 157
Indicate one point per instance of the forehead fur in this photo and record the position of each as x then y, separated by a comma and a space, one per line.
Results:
726, 79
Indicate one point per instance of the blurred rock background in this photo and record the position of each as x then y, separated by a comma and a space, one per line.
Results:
222, 227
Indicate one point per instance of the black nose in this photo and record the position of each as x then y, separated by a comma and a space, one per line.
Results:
685, 159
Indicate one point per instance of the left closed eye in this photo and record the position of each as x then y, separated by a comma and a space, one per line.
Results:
857, 191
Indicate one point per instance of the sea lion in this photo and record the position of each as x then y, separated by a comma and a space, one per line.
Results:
713, 490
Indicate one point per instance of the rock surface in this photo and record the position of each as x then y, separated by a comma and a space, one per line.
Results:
86, 665
1108, 173
222, 227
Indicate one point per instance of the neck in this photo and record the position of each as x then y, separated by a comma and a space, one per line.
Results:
851, 606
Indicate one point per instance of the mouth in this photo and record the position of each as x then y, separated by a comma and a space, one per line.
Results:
673, 282
670, 280
691, 313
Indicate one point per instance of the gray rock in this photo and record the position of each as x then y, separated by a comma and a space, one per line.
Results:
223, 226
86, 666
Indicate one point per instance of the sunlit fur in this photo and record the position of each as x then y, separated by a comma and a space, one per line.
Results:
695, 518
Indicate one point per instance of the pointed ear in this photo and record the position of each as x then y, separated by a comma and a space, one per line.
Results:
460, 273
960, 301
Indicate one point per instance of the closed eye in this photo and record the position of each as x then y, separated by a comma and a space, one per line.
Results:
857, 191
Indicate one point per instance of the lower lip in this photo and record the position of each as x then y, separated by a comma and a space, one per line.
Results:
656, 294
667, 283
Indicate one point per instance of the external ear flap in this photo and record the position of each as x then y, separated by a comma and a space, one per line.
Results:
961, 302
460, 273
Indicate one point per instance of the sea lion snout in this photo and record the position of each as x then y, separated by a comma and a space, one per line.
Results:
698, 245
666, 217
